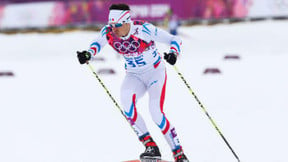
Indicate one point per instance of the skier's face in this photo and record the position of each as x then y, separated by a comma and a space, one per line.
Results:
120, 30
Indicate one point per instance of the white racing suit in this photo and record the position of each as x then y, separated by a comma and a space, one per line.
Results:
145, 73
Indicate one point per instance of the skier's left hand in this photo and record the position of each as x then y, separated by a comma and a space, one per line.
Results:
170, 57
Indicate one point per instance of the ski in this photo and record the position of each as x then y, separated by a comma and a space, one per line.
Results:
147, 160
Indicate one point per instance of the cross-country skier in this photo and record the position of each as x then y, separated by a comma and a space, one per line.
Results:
145, 72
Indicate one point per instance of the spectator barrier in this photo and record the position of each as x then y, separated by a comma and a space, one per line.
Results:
95, 12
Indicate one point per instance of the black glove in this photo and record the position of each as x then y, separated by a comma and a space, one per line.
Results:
170, 57
83, 56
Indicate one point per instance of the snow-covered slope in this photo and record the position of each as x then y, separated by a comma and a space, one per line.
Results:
54, 109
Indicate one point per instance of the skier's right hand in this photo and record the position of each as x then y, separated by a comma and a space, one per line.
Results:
83, 56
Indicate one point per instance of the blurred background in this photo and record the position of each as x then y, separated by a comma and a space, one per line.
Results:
42, 15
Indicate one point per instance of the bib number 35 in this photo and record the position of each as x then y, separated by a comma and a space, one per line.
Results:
135, 61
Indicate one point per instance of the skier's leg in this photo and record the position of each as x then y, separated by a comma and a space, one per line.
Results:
156, 102
131, 90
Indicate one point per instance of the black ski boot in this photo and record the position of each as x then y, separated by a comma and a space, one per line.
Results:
151, 153
179, 155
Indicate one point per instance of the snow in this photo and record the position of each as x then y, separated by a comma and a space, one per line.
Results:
54, 109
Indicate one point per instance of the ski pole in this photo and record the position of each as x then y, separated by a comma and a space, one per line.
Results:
109, 94
205, 111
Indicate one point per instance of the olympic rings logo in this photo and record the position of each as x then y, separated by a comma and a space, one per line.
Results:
126, 46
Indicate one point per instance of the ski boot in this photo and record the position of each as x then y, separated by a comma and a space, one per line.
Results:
179, 155
151, 153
